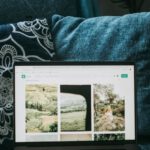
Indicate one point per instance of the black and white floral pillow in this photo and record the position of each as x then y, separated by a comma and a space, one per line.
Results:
23, 41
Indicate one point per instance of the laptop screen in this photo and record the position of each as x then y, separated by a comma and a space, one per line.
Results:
56, 102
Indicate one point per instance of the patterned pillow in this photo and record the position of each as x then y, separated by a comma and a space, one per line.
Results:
23, 41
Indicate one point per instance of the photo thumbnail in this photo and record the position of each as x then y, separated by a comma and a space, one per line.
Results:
41, 108
75, 101
109, 108
76, 137
109, 137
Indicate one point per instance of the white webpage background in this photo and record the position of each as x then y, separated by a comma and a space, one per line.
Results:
75, 75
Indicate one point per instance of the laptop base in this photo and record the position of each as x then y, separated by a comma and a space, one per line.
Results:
111, 147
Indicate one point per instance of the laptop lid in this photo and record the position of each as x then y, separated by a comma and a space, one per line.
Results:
74, 103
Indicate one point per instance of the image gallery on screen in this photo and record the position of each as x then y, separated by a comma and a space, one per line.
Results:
94, 112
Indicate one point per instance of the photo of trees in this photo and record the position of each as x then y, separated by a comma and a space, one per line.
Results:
41, 108
109, 108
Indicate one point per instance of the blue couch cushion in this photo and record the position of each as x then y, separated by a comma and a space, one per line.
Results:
125, 38
23, 41
144, 147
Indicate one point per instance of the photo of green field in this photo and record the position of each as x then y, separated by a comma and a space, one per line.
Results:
109, 108
73, 112
41, 108
75, 108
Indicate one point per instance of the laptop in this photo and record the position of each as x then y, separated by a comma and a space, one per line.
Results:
74, 105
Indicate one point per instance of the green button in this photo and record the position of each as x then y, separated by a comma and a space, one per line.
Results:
124, 75
23, 76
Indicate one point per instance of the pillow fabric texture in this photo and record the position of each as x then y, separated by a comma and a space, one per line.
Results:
23, 41
125, 38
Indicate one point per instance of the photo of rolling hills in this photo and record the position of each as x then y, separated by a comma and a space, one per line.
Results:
41, 108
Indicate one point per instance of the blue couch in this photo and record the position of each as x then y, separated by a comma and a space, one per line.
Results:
123, 38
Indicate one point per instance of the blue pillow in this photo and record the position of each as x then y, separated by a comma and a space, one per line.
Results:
23, 41
125, 38
144, 147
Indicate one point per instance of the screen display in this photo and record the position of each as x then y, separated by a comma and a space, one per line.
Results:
74, 103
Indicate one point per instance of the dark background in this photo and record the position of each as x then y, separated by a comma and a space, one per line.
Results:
109, 8
12, 11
